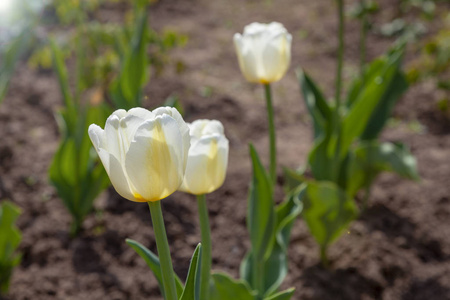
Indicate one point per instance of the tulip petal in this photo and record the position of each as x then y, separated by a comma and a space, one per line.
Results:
113, 140
97, 135
246, 58
153, 162
276, 57
130, 123
207, 165
118, 176
112, 166
183, 127
120, 113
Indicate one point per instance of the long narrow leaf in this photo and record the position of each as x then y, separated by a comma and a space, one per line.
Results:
365, 104
315, 102
189, 292
153, 263
261, 215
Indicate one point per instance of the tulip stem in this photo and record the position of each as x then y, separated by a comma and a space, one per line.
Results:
206, 247
273, 148
163, 250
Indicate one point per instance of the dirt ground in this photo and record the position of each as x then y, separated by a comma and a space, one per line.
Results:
399, 249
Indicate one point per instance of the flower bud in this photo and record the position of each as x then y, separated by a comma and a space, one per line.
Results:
264, 52
144, 152
208, 158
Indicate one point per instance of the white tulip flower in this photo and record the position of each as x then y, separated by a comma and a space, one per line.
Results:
144, 152
264, 52
208, 158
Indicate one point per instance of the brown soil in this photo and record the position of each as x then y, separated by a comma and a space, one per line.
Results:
398, 249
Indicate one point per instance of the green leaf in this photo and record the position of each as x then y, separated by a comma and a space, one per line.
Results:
261, 214
75, 171
61, 71
322, 161
315, 102
382, 112
293, 178
284, 295
126, 89
276, 264
191, 290
371, 158
374, 90
153, 263
10, 238
226, 288
327, 210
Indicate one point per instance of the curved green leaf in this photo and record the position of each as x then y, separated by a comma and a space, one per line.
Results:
371, 95
284, 295
10, 238
371, 158
153, 263
261, 215
227, 288
327, 210
191, 289
315, 102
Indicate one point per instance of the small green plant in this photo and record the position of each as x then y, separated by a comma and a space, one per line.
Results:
75, 171
347, 156
10, 238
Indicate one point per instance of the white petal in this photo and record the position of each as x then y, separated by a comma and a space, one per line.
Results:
97, 136
184, 128
120, 113
117, 175
112, 166
247, 58
207, 165
213, 127
113, 139
276, 57
154, 162
129, 124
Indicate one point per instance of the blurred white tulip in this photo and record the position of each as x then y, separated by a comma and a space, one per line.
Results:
264, 52
208, 158
144, 152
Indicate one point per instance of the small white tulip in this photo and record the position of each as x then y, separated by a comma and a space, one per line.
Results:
264, 52
208, 158
144, 152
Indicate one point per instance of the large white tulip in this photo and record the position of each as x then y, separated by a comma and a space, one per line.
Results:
208, 158
264, 52
144, 152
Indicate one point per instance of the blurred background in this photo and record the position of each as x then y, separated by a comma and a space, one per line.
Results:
85, 58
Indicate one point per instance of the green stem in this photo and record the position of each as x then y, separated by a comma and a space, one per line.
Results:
340, 53
363, 38
206, 247
273, 148
163, 250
